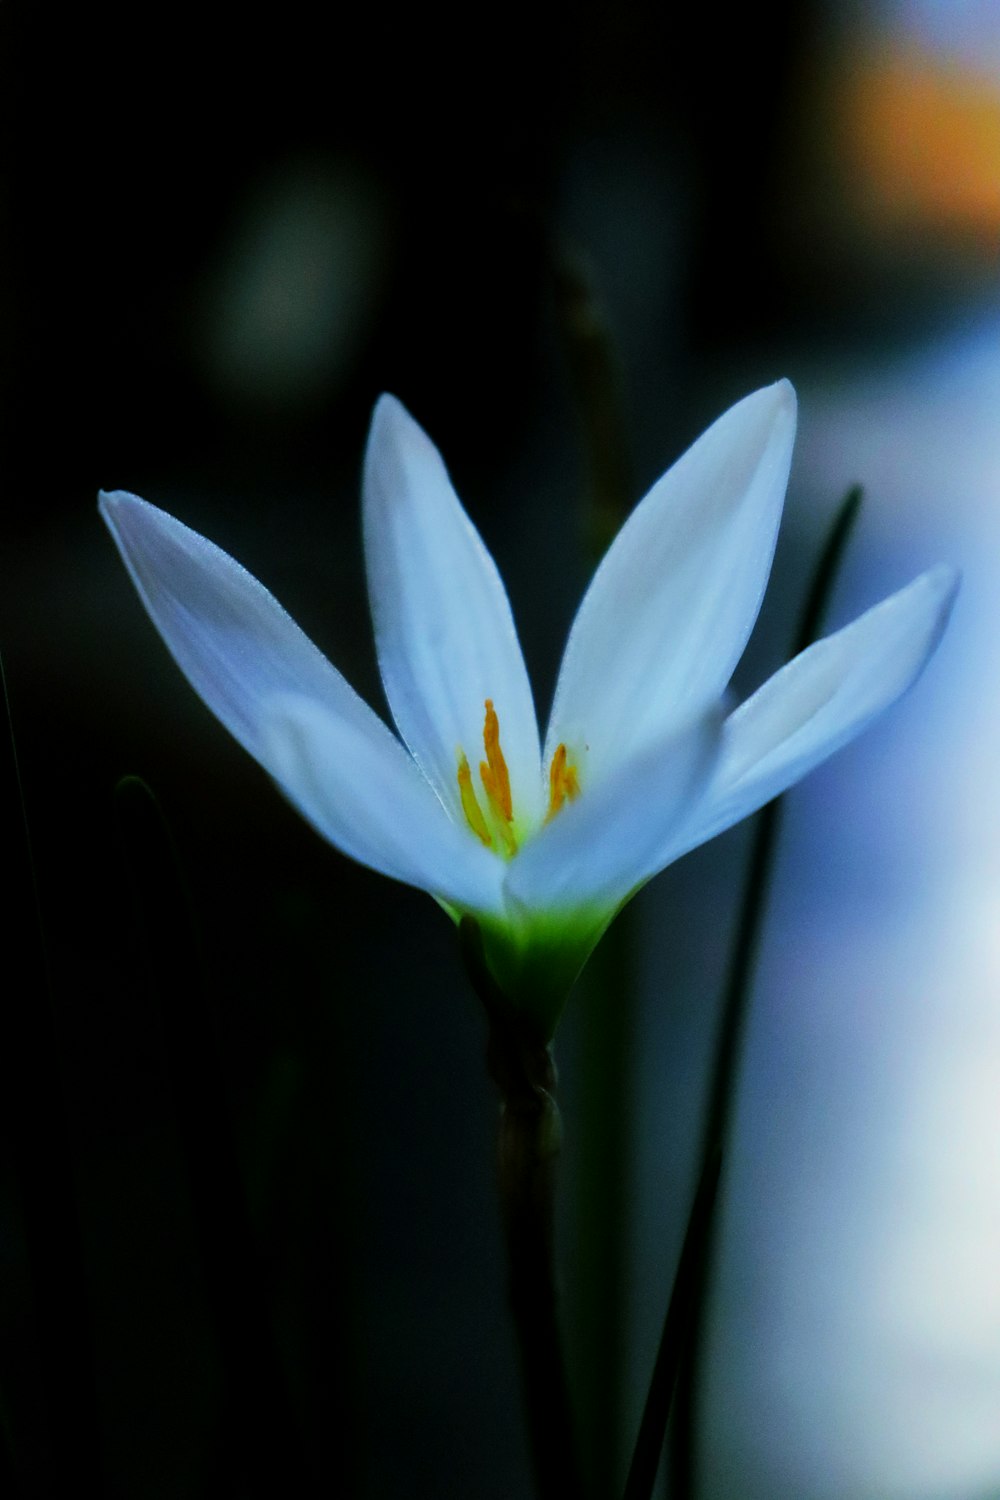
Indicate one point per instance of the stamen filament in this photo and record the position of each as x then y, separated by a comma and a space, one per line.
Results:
470, 805
506, 832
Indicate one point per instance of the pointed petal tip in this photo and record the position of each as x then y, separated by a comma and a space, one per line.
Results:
940, 585
127, 516
778, 398
393, 433
109, 500
389, 418
776, 410
943, 580
114, 506
927, 602
767, 419
387, 407
781, 400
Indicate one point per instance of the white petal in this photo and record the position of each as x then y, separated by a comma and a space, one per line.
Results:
443, 626
599, 848
823, 698
243, 656
231, 638
670, 608
367, 796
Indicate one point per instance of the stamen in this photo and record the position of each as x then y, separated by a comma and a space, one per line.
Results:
493, 770
563, 783
470, 806
507, 835
493, 823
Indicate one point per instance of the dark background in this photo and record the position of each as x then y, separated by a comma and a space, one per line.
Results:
223, 236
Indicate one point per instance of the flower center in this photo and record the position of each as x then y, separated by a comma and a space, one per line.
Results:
492, 820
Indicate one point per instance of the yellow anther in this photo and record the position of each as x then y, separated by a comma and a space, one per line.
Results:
470, 806
493, 770
563, 783
492, 822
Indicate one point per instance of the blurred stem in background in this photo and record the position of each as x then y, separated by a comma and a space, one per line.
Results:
683, 1448
675, 1339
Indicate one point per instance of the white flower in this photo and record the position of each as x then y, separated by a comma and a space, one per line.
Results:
542, 844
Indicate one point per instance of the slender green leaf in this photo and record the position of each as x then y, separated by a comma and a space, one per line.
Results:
674, 1340
736, 1000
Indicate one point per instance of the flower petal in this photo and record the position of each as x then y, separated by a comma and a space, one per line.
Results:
598, 849
443, 625
244, 655
366, 795
670, 608
230, 637
821, 699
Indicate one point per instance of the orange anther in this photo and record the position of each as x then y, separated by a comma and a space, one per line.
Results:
493, 770
564, 785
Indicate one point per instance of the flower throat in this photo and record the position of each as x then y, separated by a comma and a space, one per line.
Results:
494, 826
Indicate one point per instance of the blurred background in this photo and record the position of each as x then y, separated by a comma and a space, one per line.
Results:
222, 238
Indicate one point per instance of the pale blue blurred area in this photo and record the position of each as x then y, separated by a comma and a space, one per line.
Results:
856, 1342
855, 1337
968, 30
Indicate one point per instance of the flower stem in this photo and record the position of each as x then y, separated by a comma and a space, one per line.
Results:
528, 1140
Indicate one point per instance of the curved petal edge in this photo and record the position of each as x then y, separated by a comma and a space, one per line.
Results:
444, 630
822, 699
366, 795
